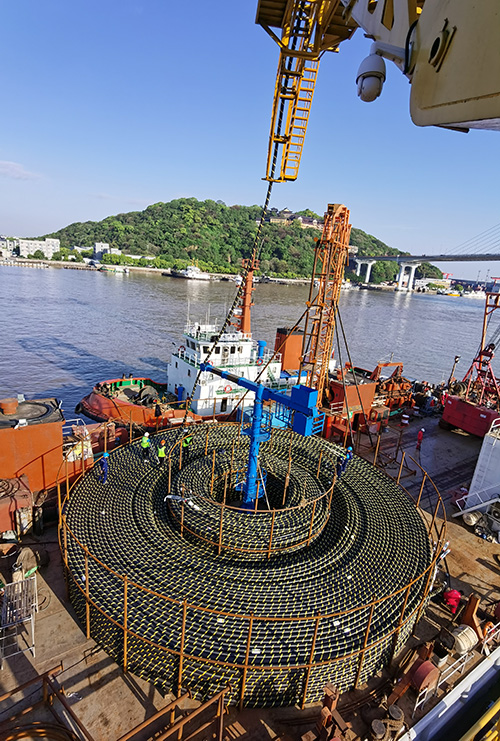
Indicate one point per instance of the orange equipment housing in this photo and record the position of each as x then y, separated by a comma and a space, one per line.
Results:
289, 343
31, 443
368, 406
396, 392
348, 404
16, 505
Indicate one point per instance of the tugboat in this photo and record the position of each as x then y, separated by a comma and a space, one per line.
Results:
192, 272
152, 405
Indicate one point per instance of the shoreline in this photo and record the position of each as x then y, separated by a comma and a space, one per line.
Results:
41, 264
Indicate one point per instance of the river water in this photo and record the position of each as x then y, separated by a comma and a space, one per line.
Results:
63, 330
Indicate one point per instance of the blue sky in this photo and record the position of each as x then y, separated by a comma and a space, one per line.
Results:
112, 105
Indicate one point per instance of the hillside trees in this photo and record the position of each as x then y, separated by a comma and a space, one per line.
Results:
216, 236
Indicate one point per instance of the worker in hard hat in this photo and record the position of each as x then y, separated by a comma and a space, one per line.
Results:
161, 453
145, 446
348, 457
104, 463
186, 442
420, 437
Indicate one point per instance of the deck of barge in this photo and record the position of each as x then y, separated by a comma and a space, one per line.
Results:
109, 703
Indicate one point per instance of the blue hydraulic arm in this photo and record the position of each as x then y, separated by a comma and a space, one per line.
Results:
303, 401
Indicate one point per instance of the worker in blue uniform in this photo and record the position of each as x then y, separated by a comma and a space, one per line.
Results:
348, 457
103, 477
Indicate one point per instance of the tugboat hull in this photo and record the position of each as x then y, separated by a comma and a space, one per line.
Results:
137, 401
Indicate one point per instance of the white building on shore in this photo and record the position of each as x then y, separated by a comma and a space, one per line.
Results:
26, 247
103, 248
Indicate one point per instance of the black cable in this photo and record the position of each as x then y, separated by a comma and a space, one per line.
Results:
362, 547
407, 47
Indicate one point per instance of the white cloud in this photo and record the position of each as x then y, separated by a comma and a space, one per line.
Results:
137, 202
102, 196
127, 201
16, 171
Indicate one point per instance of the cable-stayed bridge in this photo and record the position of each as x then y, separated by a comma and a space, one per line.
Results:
483, 248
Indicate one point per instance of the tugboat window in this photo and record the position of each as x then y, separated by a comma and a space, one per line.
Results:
233, 349
217, 350
205, 348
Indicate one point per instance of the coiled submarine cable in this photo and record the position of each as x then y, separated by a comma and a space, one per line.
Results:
49, 731
131, 530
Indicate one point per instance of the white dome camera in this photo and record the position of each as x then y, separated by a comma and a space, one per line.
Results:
370, 78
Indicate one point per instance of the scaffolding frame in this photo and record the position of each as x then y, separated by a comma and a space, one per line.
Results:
17, 618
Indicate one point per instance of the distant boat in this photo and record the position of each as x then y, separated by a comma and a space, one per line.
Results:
238, 279
347, 285
475, 294
113, 269
192, 272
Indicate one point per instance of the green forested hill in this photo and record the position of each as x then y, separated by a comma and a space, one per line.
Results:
215, 235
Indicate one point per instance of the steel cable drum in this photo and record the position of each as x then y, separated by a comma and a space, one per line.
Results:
249, 616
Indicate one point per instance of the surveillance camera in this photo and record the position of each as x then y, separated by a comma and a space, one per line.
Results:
370, 78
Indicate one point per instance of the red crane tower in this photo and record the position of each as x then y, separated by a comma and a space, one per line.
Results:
330, 257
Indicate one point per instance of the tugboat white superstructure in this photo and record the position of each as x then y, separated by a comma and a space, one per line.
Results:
235, 351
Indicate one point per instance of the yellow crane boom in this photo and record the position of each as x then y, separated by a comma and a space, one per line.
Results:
308, 29
448, 50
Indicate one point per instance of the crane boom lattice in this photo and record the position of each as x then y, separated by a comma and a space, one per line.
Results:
330, 257
309, 28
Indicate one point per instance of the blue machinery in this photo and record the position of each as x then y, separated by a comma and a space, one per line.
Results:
300, 407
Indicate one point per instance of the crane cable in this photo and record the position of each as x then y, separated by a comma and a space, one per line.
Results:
343, 378
255, 253
239, 293
276, 351
354, 376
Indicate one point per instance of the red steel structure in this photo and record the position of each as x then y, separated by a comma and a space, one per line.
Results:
330, 257
242, 315
475, 403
